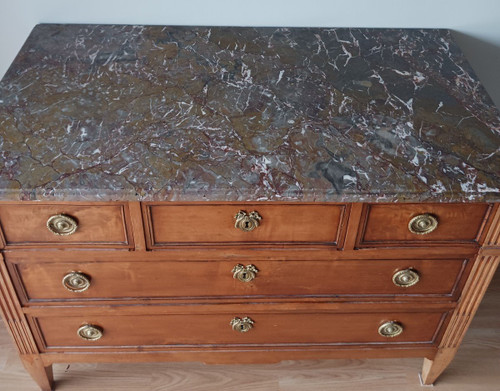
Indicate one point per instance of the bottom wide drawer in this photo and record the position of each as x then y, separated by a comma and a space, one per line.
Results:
129, 331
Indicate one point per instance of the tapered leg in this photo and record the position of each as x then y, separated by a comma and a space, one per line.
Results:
40, 373
433, 368
475, 287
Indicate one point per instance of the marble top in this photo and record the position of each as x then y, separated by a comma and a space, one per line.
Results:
98, 112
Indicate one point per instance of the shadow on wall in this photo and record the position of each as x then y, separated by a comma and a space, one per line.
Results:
485, 59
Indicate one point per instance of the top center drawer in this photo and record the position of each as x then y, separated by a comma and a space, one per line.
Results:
173, 224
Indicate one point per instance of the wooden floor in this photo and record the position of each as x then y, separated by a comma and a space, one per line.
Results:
476, 368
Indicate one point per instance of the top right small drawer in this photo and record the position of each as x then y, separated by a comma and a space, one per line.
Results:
384, 225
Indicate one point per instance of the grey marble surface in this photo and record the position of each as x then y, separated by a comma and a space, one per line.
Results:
92, 112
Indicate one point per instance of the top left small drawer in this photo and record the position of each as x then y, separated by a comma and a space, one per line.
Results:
79, 225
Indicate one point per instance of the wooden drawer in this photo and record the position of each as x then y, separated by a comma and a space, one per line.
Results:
177, 330
388, 224
205, 224
98, 225
38, 281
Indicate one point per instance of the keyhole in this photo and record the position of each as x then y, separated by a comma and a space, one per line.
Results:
247, 224
242, 327
244, 275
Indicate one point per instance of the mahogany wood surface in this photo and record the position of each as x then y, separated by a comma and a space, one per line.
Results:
214, 329
491, 237
473, 369
13, 315
385, 224
461, 318
199, 279
473, 292
137, 224
234, 308
323, 288
256, 354
100, 225
41, 373
170, 223
240, 254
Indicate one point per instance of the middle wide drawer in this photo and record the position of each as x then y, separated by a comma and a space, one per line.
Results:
114, 280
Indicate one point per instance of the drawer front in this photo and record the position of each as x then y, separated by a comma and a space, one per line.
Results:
386, 225
193, 279
176, 330
97, 225
202, 224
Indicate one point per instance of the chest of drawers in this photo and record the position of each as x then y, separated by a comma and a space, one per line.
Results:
143, 219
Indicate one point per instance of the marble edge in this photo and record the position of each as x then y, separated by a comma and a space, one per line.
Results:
107, 195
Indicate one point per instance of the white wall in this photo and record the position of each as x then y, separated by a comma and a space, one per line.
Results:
478, 21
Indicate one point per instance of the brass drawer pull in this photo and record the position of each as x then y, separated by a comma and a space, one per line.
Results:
62, 225
90, 332
247, 222
405, 278
244, 273
390, 329
242, 325
76, 282
423, 224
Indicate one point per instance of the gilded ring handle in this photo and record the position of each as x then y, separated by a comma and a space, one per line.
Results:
423, 224
244, 273
390, 329
90, 332
242, 325
406, 278
247, 222
62, 225
76, 282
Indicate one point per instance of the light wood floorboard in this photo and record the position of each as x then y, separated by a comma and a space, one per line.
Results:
475, 368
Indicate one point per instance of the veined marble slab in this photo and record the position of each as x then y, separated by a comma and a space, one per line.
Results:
97, 112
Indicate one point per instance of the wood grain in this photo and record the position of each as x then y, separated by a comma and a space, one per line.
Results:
386, 224
171, 224
296, 249
478, 281
270, 329
171, 280
11, 312
16, 323
242, 255
99, 225
42, 374
475, 368
137, 225
492, 237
